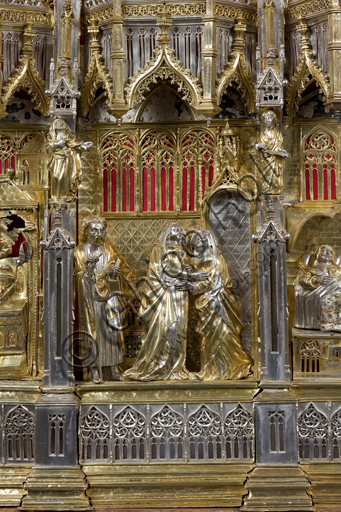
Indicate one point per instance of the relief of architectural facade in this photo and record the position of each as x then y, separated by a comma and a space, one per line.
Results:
170, 255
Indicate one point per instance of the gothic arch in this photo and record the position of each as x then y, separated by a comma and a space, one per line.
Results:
192, 111
163, 66
97, 76
236, 71
26, 77
307, 72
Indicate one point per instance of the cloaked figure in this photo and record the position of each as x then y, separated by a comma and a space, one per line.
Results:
101, 275
65, 162
164, 311
223, 356
271, 146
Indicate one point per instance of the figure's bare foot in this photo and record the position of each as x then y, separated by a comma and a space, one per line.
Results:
95, 376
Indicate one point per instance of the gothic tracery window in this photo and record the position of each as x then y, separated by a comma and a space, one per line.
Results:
118, 162
188, 48
166, 431
129, 435
197, 165
205, 435
130, 52
239, 434
313, 434
336, 435
310, 356
142, 47
7, 154
158, 160
19, 435
176, 42
320, 166
94, 435
10, 50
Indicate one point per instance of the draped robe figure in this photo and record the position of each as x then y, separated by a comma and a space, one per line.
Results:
271, 144
164, 311
318, 291
223, 356
65, 162
99, 315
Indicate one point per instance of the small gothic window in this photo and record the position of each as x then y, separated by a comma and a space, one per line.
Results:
94, 435
188, 48
205, 435
277, 431
312, 434
320, 167
310, 356
239, 434
336, 435
129, 435
57, 435
176, 42
167, 431
152, 41
130, 52
199, 35
19, 435
142, 47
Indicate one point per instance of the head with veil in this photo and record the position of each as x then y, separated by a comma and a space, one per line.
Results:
203, 245
173, 233
323, 256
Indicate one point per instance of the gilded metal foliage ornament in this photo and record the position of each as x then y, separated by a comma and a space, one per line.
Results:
307, 71
237, 72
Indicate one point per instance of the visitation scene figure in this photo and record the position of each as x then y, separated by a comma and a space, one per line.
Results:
222, 353
175, 271
101, 282
318, 290
65, 162
164, 310
272, 152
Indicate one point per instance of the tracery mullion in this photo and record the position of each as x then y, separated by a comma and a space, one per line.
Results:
119, 184
158, 192
320, 180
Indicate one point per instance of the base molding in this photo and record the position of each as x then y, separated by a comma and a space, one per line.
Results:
56, 489
277, 488
12, 481
325, 484
166, 485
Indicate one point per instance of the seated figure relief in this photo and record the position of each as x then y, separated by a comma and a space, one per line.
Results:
318, 290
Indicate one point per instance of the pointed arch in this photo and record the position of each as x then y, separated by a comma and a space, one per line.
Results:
26, 77
97, 76
237, 71
139, 111
307, 72
163, 66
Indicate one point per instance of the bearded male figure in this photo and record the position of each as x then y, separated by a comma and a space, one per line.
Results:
100, 274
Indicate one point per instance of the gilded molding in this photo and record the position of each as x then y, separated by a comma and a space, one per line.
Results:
97, 75
27, 77
307, 70
24, 16
237, 71
164, 66
306, 8
234, 12
185, 9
